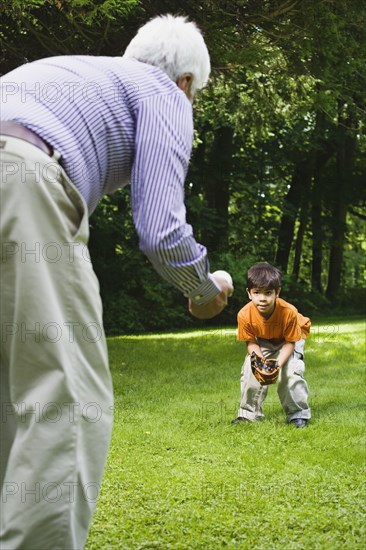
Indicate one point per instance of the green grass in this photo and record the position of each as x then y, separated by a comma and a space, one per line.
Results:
179, 476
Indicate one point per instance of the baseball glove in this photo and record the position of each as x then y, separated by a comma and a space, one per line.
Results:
266, 371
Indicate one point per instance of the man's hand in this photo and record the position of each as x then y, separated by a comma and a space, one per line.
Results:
215, 306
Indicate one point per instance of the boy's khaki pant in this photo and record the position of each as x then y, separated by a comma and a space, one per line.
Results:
56, 391
292, 389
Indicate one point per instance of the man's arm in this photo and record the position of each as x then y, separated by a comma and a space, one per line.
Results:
162, 149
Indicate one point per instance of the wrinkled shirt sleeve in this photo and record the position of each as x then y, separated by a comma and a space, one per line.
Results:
163, 143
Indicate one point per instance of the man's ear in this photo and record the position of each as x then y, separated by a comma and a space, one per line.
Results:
278, 293
248, 292
184, 82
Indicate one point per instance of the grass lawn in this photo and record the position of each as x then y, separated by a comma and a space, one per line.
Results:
180, 476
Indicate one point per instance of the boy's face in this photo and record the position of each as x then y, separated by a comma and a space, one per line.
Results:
264, 300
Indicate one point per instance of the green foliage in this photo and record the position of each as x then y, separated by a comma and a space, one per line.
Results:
287, 94
179, 476
55, 27
135, 298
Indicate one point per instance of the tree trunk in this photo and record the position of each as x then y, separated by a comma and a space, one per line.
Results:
317, 233
217, 192
197, 175
299, 185
345, 161
300, 237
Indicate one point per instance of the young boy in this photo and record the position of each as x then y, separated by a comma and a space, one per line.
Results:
272, 328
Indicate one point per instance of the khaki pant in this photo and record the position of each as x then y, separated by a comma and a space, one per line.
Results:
56, 391
292, 388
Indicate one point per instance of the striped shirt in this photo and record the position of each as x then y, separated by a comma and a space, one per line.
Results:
116, 121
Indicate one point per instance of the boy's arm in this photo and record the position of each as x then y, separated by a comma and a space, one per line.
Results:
253, 346
284, 355
286, 351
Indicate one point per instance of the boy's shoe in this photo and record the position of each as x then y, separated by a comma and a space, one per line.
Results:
299, 422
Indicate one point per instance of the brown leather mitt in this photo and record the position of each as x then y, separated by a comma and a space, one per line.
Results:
266, 371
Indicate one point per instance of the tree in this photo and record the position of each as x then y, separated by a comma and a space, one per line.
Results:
41, 28
279, 159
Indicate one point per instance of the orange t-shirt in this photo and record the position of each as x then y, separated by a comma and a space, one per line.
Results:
285, 323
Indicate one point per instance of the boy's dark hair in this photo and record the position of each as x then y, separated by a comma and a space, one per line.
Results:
264, 275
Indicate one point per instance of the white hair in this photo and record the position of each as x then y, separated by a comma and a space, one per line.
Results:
175, 45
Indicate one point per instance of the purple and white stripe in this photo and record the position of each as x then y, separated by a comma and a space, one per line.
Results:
115, 121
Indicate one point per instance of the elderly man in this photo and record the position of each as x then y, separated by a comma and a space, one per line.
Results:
75, 128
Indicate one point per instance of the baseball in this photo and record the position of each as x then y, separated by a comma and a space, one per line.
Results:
224, 275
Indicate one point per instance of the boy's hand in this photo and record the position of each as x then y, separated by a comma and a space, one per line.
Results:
266, 371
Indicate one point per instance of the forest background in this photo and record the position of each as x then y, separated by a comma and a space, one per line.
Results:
278, 169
